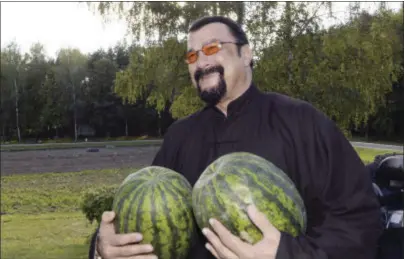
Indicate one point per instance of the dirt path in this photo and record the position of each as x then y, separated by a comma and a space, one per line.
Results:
71, 160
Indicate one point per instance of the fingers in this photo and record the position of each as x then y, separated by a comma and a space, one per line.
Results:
221, 250
108, 216
107, 232
212, 250
124, 239
261, 221
139, 257
127, 251
231, 241
107, 224
112, 245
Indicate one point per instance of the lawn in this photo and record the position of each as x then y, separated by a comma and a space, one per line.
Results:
42, 219
367, 155
44, 236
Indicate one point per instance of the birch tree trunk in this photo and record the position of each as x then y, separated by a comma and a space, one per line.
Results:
17, 117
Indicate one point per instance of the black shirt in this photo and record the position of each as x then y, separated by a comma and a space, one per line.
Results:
343, 213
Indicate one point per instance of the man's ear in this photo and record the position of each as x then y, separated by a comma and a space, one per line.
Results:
247, 55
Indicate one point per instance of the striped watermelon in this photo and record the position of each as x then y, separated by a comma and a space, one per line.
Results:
156, 202
233, 181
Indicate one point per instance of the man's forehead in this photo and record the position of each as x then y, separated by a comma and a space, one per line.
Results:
207, 34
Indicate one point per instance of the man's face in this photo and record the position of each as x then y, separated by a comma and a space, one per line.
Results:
214, 75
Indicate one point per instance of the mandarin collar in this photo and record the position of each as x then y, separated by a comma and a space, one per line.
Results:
237, 105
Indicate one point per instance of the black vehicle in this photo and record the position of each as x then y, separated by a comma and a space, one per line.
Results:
387, 172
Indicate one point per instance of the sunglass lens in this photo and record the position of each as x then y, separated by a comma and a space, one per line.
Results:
211, 49
191, 57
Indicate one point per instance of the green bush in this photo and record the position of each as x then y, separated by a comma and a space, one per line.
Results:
97, 200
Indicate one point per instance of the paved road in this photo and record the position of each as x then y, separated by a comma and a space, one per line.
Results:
75, 159
378, 146
78, 159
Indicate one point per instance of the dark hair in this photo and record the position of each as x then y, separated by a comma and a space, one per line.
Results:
235, 29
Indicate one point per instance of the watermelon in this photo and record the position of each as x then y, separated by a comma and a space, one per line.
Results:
232, 182
156, 202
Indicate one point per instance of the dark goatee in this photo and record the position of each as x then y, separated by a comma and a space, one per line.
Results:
214, 95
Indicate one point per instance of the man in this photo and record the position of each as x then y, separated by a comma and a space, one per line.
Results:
343, 213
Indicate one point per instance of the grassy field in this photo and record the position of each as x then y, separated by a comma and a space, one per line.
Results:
41, 217
44, 236
367, 155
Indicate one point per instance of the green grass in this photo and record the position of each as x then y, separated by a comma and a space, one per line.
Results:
42, 211
367, 155
377, 141
53, 192
50, 235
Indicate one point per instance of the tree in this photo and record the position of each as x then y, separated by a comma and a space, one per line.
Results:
158, 73
33, 101
55, 103
14, 67
148, 75
345, 71
352, 71
98, 92
70, 73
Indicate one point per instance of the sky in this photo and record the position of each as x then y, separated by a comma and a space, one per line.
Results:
72, 24
57, 25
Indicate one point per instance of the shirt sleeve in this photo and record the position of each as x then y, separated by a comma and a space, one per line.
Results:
167, 154
347, 223
93, 250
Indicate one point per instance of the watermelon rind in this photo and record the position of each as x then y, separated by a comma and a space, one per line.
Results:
233, 181
156, 202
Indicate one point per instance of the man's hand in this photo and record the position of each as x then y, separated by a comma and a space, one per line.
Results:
225, 245
117, 246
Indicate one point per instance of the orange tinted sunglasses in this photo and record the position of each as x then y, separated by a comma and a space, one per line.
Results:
208, 49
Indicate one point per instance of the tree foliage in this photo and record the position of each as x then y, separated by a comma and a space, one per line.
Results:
352, 71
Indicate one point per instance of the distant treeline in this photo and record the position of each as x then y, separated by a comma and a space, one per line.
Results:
353, 72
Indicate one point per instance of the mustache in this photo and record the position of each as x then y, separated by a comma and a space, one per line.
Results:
200, 72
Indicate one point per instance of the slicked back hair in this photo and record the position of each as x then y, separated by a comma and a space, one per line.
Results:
235, 29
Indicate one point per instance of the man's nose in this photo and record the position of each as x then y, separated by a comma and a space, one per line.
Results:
203, 60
